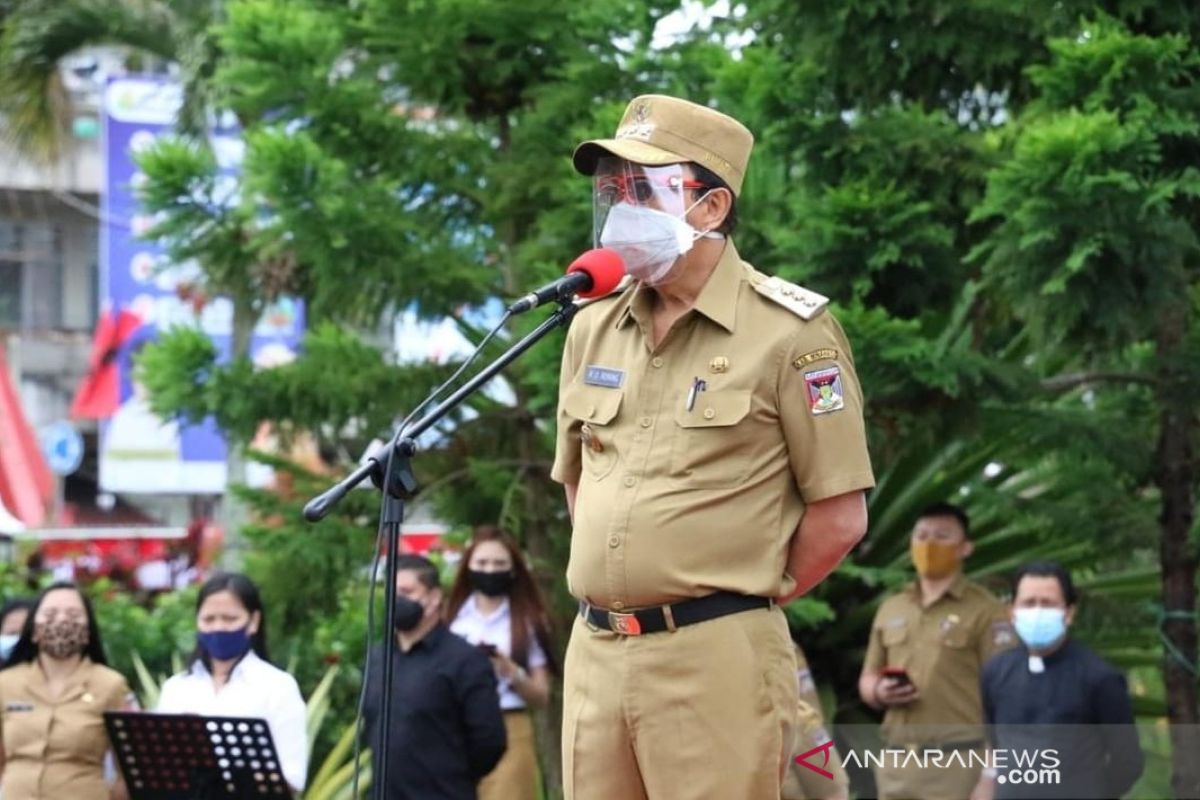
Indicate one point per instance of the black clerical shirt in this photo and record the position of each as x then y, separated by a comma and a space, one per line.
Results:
447, 728
1077, 707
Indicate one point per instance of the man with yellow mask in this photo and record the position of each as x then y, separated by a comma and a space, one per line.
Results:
928, 645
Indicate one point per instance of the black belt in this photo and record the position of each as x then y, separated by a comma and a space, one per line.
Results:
670, 617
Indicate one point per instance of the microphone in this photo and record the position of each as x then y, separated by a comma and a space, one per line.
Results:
594, 274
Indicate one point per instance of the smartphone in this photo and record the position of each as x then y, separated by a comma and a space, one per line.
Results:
898, 674
488, 649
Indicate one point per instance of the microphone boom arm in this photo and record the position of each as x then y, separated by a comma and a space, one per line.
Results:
404, 441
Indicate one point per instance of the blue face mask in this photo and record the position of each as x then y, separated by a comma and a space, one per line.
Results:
1040, 627
225, 645
7, 642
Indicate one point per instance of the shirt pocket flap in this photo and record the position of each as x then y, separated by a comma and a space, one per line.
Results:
894, 635
593, 405
715, 410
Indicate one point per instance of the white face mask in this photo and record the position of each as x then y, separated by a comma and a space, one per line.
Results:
648, 240
7, 642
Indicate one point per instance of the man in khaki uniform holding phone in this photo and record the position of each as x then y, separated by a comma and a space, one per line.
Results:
927, 649
707, 471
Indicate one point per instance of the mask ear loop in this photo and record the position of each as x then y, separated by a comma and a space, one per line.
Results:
702, 234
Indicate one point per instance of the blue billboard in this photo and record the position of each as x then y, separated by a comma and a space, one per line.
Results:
139, 452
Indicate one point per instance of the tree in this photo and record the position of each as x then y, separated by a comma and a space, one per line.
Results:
39, 34
879, 127
1095, 241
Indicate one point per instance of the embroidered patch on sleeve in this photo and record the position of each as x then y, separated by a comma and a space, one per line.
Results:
824, 354
824, 390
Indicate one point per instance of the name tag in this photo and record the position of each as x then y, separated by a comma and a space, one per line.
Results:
17, 707
604, 376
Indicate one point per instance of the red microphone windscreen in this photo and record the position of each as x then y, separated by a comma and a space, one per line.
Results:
606, 268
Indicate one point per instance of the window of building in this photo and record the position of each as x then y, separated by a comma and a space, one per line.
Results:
31, 275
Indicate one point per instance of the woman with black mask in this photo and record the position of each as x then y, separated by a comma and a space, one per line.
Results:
54, 691
495, 605
230, 674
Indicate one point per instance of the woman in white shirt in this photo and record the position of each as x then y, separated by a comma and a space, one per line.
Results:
230, 674
495, 605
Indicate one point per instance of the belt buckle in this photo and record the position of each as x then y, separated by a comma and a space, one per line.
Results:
624, 624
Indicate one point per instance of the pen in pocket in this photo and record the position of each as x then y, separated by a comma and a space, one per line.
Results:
697, 387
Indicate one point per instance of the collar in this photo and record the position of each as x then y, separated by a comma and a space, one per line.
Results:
432, 638
473, 609
74, 687
249, 661
955, 589
1061, 653
717, 300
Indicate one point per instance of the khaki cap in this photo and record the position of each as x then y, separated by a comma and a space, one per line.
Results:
658, 130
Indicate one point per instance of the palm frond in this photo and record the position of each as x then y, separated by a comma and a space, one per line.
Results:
39, 34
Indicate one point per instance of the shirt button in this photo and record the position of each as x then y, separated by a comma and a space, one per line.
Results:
709, 413
656, 361
646, 422
630, 480
617, 605
614, 542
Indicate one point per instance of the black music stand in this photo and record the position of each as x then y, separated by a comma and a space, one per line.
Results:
188, 757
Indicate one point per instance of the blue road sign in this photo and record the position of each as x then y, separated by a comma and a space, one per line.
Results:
63, 447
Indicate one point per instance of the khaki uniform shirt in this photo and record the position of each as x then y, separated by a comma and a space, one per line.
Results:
683, 491
54, 749
943, 648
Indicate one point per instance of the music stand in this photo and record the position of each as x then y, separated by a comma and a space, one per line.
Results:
188, 757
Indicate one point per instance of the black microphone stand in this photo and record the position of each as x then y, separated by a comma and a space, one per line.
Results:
391, 471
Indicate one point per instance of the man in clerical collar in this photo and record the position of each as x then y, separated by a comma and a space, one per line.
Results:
1054, 698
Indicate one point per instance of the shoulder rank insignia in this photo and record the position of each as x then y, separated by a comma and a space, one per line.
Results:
802, 302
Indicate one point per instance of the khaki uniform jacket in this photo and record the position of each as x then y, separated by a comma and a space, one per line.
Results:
54, 749
695, 459
943, 648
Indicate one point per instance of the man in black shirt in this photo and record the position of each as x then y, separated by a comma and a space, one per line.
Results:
1059, 718
447, 731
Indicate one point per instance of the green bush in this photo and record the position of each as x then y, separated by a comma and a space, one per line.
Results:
157, 634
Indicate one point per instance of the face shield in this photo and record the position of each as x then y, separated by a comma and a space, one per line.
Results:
639, 211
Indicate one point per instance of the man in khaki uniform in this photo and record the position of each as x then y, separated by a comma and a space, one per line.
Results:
938, 632
703, 479
816, 771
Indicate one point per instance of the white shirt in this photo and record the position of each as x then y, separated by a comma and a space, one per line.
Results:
477, 627
254, 689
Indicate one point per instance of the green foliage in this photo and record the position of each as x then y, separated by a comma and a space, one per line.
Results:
1096, 205
151, 636
1000, 197
38, 34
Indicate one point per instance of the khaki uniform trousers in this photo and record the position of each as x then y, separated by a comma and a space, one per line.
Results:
705, 712
933, 783
515, 777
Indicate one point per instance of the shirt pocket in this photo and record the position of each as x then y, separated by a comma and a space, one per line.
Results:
896, 645
711, 448
596, 408
957, 637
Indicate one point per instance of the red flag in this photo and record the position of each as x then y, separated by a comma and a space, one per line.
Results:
26, 484
99, 394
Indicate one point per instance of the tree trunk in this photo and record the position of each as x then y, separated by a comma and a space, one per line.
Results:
234, 513
1176, 480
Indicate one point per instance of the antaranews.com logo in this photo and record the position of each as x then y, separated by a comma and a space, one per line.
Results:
1033, 767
